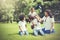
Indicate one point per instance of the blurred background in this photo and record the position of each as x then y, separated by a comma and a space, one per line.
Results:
11, 9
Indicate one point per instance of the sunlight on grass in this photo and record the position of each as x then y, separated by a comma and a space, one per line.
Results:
9, 31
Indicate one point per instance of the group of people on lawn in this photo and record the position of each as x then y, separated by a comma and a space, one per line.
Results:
35, 22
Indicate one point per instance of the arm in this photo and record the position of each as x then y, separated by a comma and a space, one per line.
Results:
39, 19
25, 24
52, 24
20, 28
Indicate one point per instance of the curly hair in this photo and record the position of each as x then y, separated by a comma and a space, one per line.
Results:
21, 17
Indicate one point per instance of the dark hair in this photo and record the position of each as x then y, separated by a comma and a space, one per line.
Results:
21, 17
49, 14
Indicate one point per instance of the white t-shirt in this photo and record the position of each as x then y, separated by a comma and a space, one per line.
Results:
32, 14
22, 25
38, 25
48, 22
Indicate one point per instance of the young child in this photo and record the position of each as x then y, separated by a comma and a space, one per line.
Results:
32, 14
36, 27
22, 25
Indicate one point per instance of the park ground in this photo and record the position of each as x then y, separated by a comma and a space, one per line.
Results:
9, 31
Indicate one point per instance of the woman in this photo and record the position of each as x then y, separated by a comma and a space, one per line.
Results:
48, 22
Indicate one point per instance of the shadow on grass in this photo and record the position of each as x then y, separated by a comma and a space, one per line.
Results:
13, 34
19, 34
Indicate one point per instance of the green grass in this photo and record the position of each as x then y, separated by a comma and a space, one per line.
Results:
9, 31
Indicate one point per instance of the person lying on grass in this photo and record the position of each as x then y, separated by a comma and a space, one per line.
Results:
22, 25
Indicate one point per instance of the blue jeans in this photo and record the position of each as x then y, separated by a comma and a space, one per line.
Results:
36, 32
48, 31
23, 33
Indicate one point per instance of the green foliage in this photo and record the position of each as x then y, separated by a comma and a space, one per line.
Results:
6, 8
13, 8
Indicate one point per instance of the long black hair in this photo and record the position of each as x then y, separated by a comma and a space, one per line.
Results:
49, 14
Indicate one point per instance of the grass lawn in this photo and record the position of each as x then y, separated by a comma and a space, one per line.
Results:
9, 31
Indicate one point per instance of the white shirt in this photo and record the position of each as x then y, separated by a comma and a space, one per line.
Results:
47, 22
22, 25
38, 26
32, 14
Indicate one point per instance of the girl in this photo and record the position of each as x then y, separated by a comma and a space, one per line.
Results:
22, 25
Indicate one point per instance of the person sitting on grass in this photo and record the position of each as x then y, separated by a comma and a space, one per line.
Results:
35, 25
48, 22
22, 25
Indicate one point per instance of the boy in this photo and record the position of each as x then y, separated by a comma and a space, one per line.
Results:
22, 25
36, 27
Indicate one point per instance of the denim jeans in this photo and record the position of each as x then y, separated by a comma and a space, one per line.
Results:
23, 33
36, 32
48, 31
